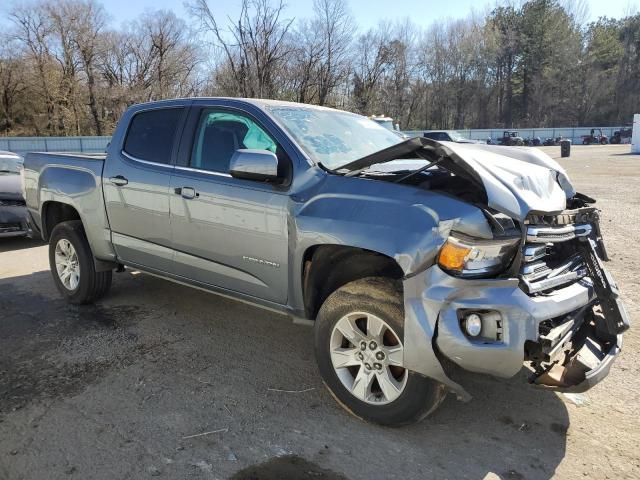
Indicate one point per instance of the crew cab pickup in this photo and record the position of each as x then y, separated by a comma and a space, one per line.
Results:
411, 257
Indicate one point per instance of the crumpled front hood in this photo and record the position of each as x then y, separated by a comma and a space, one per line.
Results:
517, 180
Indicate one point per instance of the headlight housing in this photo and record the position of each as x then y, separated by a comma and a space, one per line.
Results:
468, 257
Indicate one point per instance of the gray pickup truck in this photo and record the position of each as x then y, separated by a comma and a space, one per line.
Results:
412, 258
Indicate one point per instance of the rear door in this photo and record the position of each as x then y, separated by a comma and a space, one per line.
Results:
136, 181
228, 232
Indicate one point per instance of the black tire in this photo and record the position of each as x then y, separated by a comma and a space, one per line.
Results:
380, 297
92, 285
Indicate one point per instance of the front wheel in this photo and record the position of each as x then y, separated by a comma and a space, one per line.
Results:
359, 348
72, 265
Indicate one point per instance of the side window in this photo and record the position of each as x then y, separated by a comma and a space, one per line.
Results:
435, 136
151, 134
220, 134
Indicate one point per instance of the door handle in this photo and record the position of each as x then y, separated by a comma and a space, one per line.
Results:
187, 192
119, 180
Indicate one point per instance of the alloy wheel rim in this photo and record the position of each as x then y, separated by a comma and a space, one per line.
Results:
368, 358
67, 264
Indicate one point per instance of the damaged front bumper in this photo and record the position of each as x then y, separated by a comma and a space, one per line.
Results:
567, 345
13, 219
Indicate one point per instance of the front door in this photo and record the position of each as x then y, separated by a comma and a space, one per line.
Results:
228, 232
136, 181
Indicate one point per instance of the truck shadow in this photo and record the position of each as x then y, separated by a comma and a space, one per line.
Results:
12, 244
277, 404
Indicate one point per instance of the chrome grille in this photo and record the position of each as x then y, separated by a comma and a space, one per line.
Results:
534, 252
544, 234
548, 259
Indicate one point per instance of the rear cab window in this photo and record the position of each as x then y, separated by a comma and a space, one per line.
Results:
152, 133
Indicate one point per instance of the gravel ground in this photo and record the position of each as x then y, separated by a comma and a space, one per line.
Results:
162, 380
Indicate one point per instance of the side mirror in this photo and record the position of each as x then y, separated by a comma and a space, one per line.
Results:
250, 164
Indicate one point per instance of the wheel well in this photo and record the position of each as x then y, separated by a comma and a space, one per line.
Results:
326, 268
54, 213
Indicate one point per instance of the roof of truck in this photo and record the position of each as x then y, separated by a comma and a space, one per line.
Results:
258, 102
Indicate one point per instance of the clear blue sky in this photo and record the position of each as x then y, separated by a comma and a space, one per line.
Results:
366, 12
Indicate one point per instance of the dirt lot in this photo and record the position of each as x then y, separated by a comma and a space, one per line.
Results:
114, 391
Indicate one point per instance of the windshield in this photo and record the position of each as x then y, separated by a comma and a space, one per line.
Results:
9, 166
331, 137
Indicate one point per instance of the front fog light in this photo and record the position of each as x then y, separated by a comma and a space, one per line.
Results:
473, 324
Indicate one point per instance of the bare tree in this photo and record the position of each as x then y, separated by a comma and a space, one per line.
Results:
335, 25
62, 15
89, 23
254, 47
12, 82
303, 63
33, 30
397, 99
372, 57
64, 70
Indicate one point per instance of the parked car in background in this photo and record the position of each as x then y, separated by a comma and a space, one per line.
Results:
511, 138
621, 136
447, 136
13, 211
533, 142
407, 256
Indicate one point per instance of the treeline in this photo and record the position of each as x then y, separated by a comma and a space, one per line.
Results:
66, 70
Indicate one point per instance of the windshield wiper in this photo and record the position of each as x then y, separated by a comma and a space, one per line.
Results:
409, 149
419, 170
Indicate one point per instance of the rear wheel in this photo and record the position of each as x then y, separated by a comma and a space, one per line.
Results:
359, 348
72, 265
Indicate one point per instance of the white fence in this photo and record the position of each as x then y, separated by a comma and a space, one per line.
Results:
572, 133
22, 145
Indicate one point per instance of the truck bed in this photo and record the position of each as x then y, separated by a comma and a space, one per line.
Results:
36, 162
73, 180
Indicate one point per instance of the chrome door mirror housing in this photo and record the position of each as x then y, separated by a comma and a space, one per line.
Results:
252, 164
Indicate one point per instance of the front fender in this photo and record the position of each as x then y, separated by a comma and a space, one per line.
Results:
402, 222
410, 234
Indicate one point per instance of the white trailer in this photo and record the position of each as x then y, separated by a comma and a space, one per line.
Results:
635, 136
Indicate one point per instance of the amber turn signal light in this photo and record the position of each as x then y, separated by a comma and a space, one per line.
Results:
452, 256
